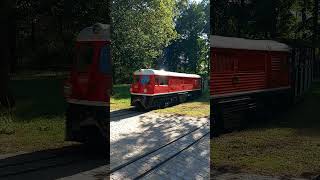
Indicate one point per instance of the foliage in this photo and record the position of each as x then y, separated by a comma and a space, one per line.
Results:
189, 53
46, 29
274, 19
141, 32
141, 29
6, 119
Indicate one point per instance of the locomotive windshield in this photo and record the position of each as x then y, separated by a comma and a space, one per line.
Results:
105, 66
145, 80
84, 58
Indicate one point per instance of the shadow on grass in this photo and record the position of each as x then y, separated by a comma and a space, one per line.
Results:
303, 117
38, 98
138, 135
50, 164
286, 144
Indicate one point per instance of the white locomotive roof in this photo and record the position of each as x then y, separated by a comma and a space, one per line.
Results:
97, 32
164, 73
247, 44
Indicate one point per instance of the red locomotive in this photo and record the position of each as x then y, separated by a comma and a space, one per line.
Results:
88, 87
251, 76
159, 88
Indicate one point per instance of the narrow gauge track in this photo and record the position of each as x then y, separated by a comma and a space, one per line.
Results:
125, 113
26, 163
150, 153
20, 165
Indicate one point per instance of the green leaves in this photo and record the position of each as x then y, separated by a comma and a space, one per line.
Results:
141, 30
272, 19
189, 53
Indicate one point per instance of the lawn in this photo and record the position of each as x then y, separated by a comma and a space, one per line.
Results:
120, 98
199, 107
287, 145
37, 120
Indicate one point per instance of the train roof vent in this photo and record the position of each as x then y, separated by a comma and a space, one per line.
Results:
247, 44
97, 32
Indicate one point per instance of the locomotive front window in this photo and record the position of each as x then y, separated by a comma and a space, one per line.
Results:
85, 57
105, 66
145, 80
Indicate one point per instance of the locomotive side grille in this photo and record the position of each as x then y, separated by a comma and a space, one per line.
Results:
275, 64
233, 111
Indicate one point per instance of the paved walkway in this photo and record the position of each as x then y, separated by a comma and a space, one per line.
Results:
134, 137
190, 164
131, 137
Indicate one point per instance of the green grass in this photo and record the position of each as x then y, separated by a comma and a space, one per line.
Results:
199, 107
121, 97
37, 121
288, 145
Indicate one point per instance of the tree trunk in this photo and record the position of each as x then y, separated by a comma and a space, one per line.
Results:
274, 20
241, 18
12, 41
6, 50
304, 16
212, 18
315, 21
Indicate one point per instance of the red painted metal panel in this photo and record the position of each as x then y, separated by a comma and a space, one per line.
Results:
234, 71
166, 84
91, 84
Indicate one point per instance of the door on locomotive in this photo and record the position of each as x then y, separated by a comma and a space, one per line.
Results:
87, 90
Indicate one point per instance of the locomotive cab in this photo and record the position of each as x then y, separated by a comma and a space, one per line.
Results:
88, 86
143, 84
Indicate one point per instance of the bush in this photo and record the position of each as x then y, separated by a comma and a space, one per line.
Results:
6, 120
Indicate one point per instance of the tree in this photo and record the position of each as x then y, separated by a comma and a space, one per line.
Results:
189, 52
7, 49
315, 21
141, 29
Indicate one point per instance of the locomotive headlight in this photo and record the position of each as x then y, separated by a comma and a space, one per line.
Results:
145, 90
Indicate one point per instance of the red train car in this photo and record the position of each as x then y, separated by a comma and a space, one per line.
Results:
88, 87
246, 75
159, 88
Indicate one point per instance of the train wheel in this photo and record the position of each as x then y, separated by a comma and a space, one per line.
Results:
140, 107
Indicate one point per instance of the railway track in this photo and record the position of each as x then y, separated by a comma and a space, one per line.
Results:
124, 113
157, 157
26, 165
47, 163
